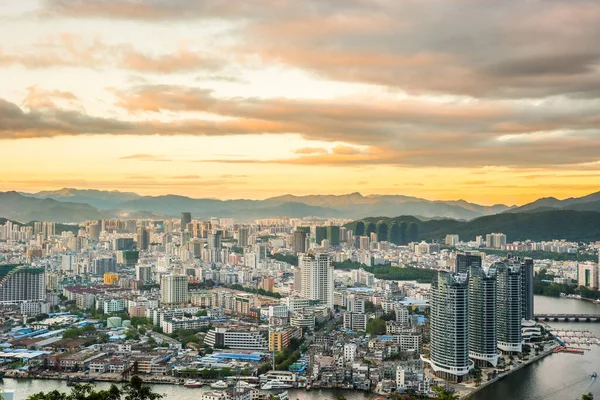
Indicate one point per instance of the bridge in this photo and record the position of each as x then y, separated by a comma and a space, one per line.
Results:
567, 317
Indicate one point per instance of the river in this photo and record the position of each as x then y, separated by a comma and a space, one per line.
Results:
556, 377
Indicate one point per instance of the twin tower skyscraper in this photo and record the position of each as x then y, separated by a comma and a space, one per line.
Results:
476, 314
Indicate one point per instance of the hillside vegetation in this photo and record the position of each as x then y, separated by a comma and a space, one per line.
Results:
547, 225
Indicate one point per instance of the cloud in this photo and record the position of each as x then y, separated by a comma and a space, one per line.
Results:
145, 157
509, 49
408, 132
69, 50
40, 98
311, 150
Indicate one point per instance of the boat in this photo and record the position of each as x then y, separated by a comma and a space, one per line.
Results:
283, 395
244, 384
271, 385
219, 385
594, 375
192, 384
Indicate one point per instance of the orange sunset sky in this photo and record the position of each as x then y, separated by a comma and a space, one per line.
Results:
488, 101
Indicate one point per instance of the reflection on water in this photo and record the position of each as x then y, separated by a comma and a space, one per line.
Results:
559, 376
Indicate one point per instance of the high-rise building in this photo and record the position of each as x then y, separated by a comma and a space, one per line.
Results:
67, 263
587, 275
267, 283
466, 260
509, 303
527, 276
483, 338
93, 231
495, 240
121, 244
365, 242
320, 234
452, 240
143, 238
143, 273
299, 242
243, 234
174, 289
449, 357
343, 234
186, 218
21, 283
333, 235
101, 266
317, 278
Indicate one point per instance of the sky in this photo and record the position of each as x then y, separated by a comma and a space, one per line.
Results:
483, 100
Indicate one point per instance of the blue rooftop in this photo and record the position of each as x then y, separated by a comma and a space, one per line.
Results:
238, 356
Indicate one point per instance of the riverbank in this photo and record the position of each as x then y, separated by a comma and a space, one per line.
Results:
82, 378
503, 375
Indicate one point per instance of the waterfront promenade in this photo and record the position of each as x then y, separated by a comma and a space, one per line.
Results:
502, 375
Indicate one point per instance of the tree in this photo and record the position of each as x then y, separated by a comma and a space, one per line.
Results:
371, 228
443, 394
587, 396
413, 232
80, 392
395, 233
403, 233
376, 326
360, 229
476, 375
382, 231
135, 390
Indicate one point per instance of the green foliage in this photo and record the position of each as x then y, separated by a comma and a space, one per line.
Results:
382, 231
376, 326
583, 226
133, 390
359, 229
443, 394
543, 255
587, 396
391, 316
130, 334
548, 288
137, 321
289, 355
74, 333
288, 258
202, 313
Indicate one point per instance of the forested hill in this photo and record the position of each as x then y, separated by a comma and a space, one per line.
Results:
547, 225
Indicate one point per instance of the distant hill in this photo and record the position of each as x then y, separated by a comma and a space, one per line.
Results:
17, 207
545, 225
591, 202
359, 206
95, 198
353, 205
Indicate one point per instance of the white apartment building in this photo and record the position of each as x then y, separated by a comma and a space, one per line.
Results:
171, 325
349, 352
317, 278
239, 340
174, 289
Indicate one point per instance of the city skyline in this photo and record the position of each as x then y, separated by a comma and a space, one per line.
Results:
233, 101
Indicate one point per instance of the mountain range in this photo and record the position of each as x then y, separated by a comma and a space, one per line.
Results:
75, 205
